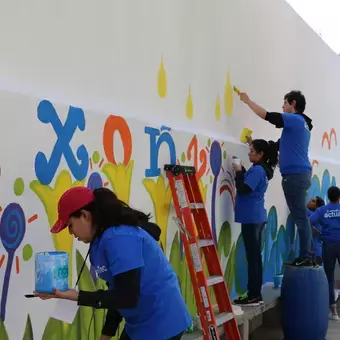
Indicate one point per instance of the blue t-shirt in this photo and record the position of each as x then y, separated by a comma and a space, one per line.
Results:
329, 218
161, 312
294, 144
250, 208
316, 239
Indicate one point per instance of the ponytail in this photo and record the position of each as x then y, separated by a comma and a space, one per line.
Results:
270, 155
273, 155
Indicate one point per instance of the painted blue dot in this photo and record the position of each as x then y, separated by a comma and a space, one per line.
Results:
215, 158
95, 181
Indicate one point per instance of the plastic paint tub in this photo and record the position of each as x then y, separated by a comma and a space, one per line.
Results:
51, 271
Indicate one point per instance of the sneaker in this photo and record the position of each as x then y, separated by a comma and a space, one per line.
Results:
334, 316
245, 300
303, 263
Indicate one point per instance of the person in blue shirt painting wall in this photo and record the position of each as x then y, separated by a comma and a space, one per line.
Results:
295, 166
251, 186
329, 218
143, 288
312, 206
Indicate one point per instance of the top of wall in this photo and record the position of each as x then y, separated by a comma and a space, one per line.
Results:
106, 56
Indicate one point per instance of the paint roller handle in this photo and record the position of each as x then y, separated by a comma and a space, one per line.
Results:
29, 296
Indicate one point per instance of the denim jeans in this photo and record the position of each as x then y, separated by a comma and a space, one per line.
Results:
331, 253
251, 234
295, 187
124, 336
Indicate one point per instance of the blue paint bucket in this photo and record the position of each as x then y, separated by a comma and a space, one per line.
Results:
305, 303
278, 280
51, 271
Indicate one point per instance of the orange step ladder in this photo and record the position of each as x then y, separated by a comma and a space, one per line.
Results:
190, 211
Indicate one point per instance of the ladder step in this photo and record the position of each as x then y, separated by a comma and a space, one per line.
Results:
205, 243
214, 280
222, 318
196, 206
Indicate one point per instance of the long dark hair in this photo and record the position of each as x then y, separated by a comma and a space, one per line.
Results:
270, 156
109, 211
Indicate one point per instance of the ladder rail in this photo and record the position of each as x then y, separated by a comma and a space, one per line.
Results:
184, 238
211, 254
196, 234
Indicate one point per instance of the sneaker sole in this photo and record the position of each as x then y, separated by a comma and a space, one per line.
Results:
255, 304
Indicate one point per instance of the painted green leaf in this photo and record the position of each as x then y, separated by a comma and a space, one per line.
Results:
224, 240
3, 332
181, 269
28, 334
86, 313
230, 269
175, 257
75, 331
53, 330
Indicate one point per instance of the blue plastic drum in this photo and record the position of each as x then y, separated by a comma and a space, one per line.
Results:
51, 271
305, 303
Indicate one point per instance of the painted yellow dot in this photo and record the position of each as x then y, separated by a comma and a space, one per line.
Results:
218, 108
162, 82
189, 106
228, 97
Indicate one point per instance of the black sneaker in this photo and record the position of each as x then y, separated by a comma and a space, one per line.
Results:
303, 263
245, 300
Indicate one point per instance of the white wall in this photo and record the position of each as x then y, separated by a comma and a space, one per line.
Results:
105, 57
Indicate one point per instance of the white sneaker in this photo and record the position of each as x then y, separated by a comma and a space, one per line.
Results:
334, 316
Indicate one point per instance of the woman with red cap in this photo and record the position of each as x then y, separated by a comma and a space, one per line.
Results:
143, 287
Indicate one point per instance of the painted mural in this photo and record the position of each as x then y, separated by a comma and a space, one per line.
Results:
49, 144
126, 156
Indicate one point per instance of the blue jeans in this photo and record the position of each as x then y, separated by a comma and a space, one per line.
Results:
251, 234
331, 253
295, 187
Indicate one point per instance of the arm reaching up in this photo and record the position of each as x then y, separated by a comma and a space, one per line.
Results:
259, 110
274, 118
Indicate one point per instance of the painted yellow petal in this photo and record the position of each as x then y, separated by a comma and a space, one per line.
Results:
161, 197
162, 81
189, 106
204, 189
218, 109
228, 97
120, 177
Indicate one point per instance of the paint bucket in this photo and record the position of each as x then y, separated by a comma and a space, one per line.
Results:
305, 303
236, 161
278, 280
51, 271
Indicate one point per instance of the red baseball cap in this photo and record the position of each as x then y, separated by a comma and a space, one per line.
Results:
71, 201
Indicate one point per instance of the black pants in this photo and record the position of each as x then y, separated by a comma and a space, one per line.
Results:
124, 336
331, 253
251, 234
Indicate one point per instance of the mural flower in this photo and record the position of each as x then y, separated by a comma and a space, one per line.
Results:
49, 197
161, 197
120, 177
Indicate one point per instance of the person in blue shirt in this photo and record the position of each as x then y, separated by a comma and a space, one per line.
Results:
329, 218
312, 206
251, 186
143, 288
295, 166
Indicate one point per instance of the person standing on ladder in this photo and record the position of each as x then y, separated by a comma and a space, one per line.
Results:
295, 166
251, 186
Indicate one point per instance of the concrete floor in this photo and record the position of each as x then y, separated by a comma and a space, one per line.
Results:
276, 334
264, 333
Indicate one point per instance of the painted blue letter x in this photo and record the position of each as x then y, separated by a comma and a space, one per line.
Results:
45, 169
